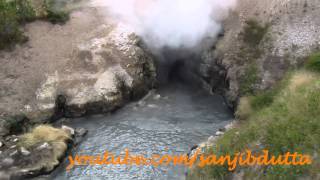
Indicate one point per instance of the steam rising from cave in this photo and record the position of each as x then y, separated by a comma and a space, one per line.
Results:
174, 24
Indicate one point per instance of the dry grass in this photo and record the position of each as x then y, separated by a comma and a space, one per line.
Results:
244, 109
43, 133
300, 79
56, 138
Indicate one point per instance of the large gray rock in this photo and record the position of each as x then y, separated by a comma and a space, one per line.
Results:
103, 74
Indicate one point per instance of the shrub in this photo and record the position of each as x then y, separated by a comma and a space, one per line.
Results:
248, 80
262, 100
55, 15
12, 14
24, 10
313, 62
9, 25
254, 32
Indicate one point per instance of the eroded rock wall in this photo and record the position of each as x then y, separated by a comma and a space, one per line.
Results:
292, 34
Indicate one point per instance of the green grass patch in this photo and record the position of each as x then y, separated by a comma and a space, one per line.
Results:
262, 99
249, 79
11, 14
24, 11
284, 120
313, 62
254, 32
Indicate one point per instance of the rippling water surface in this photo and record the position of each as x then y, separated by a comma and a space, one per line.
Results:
167, 124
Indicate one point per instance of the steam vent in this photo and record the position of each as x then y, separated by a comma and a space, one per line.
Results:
159, 89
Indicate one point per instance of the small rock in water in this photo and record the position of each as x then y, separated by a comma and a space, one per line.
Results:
13, 146
152, 106
157, 97
15, 140
24, 151
219, 133
81, 132
68, 129
1, 144
141, 103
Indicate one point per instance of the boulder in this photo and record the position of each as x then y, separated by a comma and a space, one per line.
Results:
99, 78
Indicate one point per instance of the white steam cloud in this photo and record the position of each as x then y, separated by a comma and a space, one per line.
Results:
172, 23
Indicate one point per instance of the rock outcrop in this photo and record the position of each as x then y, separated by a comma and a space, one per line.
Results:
262, 40
89, 65
104, 73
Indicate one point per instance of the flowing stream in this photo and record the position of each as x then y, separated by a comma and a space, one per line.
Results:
169, 121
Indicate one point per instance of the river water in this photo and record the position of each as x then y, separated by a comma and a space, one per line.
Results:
167, 121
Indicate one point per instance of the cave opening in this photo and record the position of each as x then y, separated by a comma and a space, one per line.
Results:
177, 66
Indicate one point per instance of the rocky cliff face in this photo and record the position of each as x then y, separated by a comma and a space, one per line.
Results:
262, 40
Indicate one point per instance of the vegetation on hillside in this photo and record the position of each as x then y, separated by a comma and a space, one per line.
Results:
254, 32
14, 13
249, 79
313, 62
252, 36
285, 119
